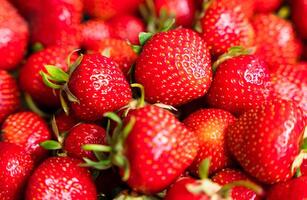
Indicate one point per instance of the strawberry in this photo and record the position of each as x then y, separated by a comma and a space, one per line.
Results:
31, 81
303, 167
266, 140
14, 36
93, 31
276, 40
210, 125
182, 10
27, 130
65, 122
225, 26
228, 175
240, 83
174, 67
15, 166
120, 52
294, 189
61, 178
9, 95
266, 6
127, 27
299, 7
27, 8
80, 135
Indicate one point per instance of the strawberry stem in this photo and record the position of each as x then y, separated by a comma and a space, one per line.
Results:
33, 107
141, 102
96, 147
204, 168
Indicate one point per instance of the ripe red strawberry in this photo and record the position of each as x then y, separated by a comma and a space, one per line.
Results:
294, 189
27, 130
158, 149
127, 27
266, 6
265, 140
14, 36
303, 167
120, 52
182, 10
174, 67
275, 40
228, 175
240, 83
57, 23
80, 135
93, 31
65, 122
15, 166
224, 26
299, 8
9, 95
210, 126
30, 79
27, 8
61, 178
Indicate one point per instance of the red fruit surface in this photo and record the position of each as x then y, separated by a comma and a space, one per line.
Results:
276, 41
27, 130
239, 84
65, 122
304, 167
80, 135
174, 67
159, 148
266, 6
15, 166
210, 126
100, 86
299, 9
61, 178
265, 140
182, 10
14, 36
224, 27
31, 81
9, 95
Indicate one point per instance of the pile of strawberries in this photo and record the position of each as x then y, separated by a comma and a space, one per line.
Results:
153, 99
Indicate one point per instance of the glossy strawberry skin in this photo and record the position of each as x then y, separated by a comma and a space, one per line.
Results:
15, 35
228, 175
265, 140
224, 27
276, 41
80, 135
31, 81
304, 167
100, 86
266, 6
210, 126
183, 10
239, 84
174, 67
61, 178
294, 189
27, 130
15, 166
159, 148
299, 7
65, 122
9, 95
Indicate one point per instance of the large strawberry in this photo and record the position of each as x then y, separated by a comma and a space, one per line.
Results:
27, 130
240, 83
225, 26
266, 6
9, 95
61, 178
174, 67
15, 166
275, 40
210, 126
299, 7
14, 36
266, 140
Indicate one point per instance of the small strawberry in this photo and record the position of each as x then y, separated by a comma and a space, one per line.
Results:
266, 6
14, 36
15, 166
294, 189
61, 178
9, 95
275, 40
127, 27
65, 122
224, 26
174, 67
299, 7
266, 140
240, 83
27, 130
210, 126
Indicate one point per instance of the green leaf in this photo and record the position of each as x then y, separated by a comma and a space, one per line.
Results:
106, 52
37, 47
136, 48
144, 37
96, 147
63, 103
56, 73
71, 97
101, 165
51, 145
204, 168
46, 79
73, 66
